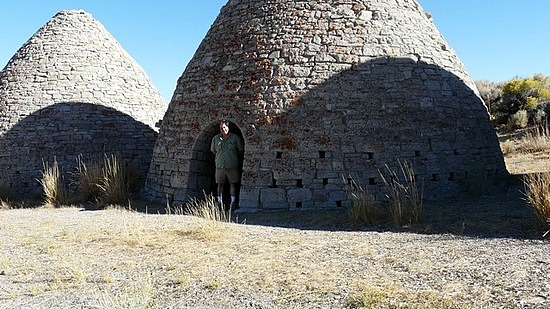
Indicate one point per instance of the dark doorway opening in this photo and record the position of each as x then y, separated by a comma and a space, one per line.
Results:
202, 167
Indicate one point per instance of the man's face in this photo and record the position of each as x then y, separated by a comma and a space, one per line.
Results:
224, 129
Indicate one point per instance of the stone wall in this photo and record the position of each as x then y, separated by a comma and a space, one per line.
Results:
325, 91
72, 90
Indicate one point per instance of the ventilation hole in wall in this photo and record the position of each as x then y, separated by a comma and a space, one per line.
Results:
299, 183
370, 155
325, 181
17, 172
322, 154
338, 203
417, 153
372, 181
435, 177
456, 153
298, 204
279, 155
273, 183
451, 176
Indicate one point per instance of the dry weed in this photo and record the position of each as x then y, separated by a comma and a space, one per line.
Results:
508, 148
536, 140
208, 208
138, 294
86, 179
4, 204
53, 187
405, 198
537, 187
115, 182
363, 209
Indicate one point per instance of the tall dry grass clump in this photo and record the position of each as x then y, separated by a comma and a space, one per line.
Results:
537, 187
536, 139
208, 208
86, 178
106, 182
115, 182
55, 193
363, 209
405, 198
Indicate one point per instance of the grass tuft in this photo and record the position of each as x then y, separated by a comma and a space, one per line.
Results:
207, 208
107, 182
116, 181
370, 297
405, 199
139, 294
53, 187
537, 187
86, 179
536, 140
363, 209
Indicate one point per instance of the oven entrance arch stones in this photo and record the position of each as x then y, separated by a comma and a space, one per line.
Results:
199, 178
326, 89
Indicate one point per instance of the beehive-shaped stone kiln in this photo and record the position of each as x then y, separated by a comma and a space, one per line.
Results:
324, 91
72, 90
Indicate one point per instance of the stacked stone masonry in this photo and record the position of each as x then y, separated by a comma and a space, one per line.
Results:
322, 92
71, 90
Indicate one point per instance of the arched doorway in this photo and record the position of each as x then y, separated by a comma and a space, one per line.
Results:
202, 168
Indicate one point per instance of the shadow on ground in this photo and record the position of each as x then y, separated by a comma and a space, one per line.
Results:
502, 213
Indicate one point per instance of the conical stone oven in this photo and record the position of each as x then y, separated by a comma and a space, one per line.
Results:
323, 92
71, 90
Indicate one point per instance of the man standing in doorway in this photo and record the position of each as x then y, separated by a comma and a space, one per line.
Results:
227, 148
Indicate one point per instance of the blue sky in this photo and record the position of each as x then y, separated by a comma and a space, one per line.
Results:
495, 39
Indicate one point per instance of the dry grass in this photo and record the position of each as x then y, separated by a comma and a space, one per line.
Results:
86, 179
115, 182
207, 208
537, 187
405, 198
364, 207
527, 151
55, 193
536, 140
121, 259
